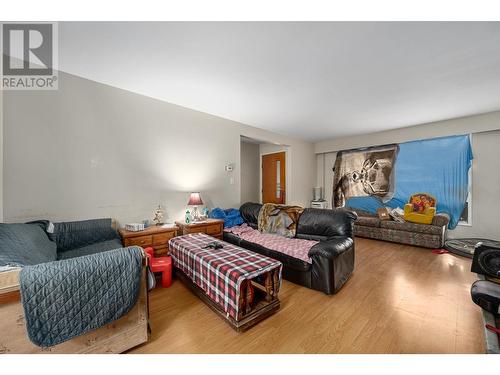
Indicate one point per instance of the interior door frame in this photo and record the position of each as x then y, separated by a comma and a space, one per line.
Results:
287, 172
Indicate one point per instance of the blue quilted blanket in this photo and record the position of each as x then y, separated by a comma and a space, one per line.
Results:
68, 298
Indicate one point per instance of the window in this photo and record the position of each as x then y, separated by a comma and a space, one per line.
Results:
466, 216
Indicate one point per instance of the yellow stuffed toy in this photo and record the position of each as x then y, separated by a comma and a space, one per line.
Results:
421, 208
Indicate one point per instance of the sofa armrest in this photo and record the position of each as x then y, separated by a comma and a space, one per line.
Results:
332, 247
430, 211
408, 209
441, 219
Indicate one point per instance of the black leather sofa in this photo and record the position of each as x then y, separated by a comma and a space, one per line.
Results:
332, 258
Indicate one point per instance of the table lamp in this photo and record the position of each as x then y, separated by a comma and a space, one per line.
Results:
195, 200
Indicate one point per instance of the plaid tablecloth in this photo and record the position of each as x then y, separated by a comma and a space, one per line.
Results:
219, 272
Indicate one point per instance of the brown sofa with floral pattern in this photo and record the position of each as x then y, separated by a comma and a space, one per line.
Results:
425, 235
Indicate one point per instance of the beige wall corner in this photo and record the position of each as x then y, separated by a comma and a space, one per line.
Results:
1, 151
250, 172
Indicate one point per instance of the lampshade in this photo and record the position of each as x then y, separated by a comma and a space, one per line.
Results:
195, 200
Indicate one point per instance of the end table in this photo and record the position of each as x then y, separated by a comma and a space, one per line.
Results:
212, 227
156, 237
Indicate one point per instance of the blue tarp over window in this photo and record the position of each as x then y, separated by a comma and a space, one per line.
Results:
438, 166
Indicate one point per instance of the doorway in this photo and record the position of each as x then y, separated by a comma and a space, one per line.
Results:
274, 178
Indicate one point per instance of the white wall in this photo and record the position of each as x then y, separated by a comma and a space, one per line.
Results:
91, 150
250, 172
485, 188
1, 151
485, 131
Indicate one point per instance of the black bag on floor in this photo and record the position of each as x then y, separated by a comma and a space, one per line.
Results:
486, 294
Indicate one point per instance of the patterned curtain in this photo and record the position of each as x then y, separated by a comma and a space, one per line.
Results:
364, 172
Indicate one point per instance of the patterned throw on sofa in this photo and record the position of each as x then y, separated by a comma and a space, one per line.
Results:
279, 219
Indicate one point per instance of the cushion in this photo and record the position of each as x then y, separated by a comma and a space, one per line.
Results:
95, 248
250, 213
361, 212
324, 224
77, 234
287, 260
25, 244
411, 227
367, 221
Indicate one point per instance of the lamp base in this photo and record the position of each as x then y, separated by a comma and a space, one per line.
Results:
196, 215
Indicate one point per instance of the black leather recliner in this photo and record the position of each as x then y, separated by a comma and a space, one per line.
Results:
332, 258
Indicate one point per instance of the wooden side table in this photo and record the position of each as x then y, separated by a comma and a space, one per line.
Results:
212, 227
156, 237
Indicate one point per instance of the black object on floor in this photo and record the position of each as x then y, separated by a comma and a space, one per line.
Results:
486, 295
487, 261
465, 246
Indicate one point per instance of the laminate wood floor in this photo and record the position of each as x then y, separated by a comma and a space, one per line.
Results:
400, 299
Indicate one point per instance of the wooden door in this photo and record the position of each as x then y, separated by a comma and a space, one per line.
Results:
273, 178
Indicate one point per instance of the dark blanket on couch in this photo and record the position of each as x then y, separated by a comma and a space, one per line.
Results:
68, 298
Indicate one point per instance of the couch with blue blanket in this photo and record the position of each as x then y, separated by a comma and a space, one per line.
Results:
70, 287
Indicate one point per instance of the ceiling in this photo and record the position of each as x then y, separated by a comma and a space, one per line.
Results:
307, 80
